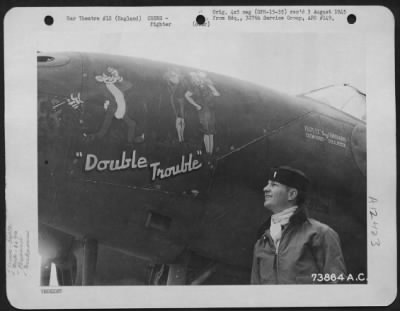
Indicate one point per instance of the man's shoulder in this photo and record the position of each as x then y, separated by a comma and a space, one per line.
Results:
320, 227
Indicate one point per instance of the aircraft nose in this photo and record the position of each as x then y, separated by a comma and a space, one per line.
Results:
59, 74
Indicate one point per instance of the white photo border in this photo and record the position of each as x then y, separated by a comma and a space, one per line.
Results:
22, 28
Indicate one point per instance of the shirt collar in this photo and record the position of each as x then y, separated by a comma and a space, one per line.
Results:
298, 217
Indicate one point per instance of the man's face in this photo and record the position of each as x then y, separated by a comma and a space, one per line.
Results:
276, 196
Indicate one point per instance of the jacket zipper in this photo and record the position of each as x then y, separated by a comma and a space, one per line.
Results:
277, 256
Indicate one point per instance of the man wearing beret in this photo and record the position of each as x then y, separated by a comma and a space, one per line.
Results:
292, 248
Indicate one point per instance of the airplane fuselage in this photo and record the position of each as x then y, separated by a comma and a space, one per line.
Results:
126, 158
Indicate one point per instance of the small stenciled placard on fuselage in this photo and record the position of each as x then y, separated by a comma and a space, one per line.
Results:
153, 148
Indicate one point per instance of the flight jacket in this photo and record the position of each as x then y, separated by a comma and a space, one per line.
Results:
307, 247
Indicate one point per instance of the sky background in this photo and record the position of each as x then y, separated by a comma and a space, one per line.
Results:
292, 63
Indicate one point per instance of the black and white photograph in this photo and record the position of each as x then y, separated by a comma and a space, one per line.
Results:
193, 158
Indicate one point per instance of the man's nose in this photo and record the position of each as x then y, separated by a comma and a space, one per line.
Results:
266, 188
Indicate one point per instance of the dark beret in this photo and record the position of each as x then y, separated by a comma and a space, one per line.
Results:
290, 177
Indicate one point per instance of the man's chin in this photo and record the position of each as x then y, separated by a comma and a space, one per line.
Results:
270, 207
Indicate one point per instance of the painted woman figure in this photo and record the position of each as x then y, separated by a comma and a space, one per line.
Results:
177, 86
201, 96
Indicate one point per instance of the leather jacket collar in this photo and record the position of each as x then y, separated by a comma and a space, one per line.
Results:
299, 216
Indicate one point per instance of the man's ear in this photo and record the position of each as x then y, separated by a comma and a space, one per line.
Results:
292, 194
